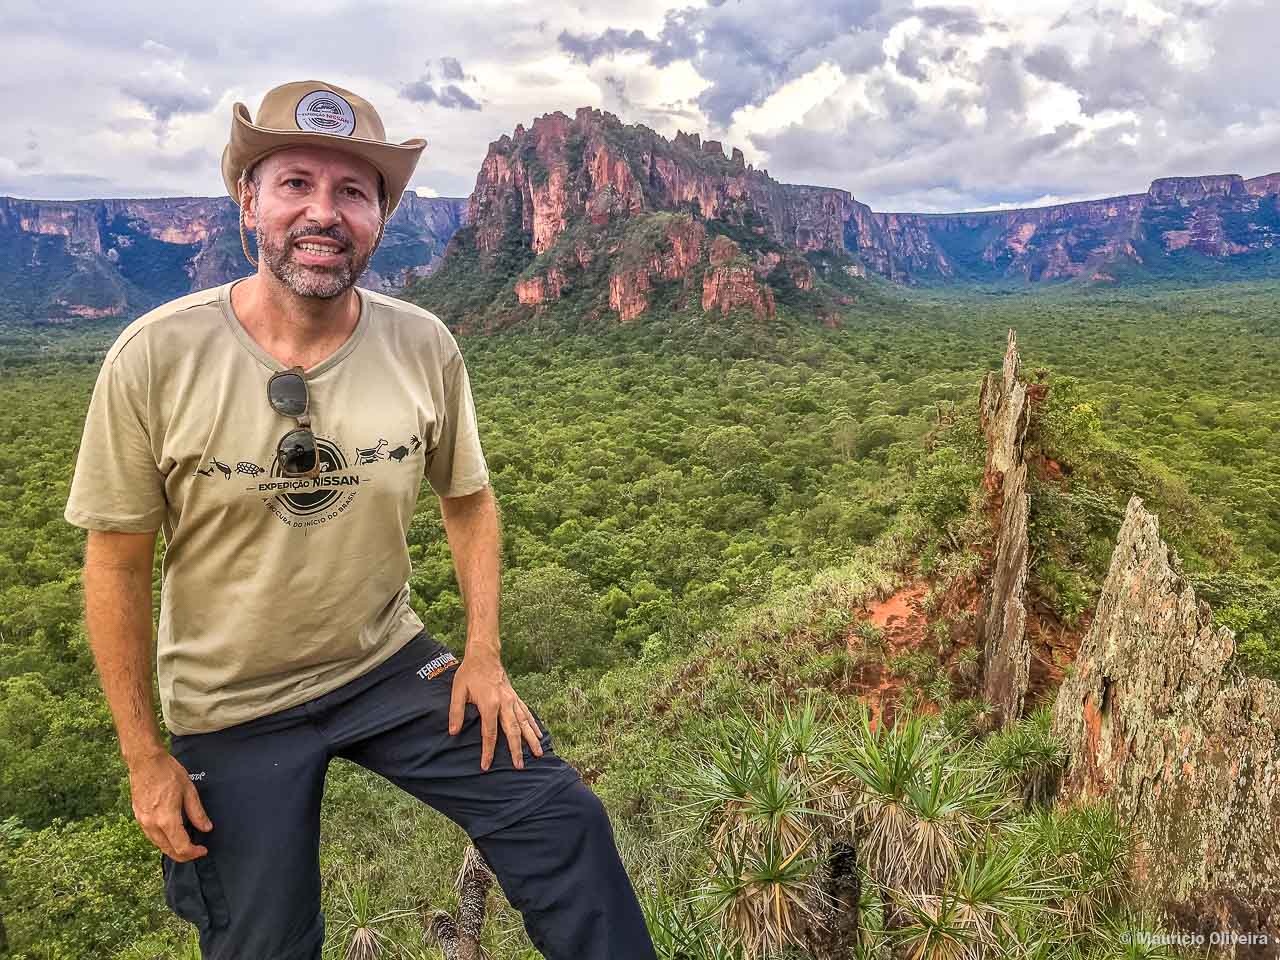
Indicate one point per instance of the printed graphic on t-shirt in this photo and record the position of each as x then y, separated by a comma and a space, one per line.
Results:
310, 501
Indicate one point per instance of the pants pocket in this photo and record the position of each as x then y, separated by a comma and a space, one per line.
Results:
193, 891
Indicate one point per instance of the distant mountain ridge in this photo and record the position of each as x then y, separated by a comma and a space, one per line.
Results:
64, 260
678, 219
566, 207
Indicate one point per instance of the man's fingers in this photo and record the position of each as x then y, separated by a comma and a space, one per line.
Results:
195, 809
524, 707
182, 848
529, 730
457, 706
489, 735
511, 726
157, 837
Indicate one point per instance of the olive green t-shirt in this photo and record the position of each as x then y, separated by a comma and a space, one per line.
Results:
275, 590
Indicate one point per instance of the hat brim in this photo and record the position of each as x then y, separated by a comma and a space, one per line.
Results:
250, 143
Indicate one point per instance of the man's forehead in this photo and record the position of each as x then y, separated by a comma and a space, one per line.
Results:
314, 159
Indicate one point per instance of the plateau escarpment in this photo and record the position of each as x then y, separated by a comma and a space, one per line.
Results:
560, 211
81, 259
554, 199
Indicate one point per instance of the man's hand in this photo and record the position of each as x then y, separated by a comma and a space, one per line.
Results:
482, 680
161, 791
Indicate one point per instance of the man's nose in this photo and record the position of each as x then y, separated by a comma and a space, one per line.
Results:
322, 208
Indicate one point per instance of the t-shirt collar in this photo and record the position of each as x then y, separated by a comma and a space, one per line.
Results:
271, 363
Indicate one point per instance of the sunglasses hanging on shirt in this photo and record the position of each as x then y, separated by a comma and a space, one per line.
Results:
296, 452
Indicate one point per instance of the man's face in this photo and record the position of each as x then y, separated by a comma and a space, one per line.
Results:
316, 218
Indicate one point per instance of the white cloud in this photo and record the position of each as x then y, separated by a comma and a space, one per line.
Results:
910, 104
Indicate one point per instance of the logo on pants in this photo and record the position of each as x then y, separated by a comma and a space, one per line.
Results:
437, 665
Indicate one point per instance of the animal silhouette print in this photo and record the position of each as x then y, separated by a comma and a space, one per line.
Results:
414, 442
370, 454
226, 470
399, 453
206, 473
252, 469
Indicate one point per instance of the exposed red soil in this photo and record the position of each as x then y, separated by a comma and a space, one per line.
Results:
902, 618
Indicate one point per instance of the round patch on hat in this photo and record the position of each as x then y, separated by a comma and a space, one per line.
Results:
323, 111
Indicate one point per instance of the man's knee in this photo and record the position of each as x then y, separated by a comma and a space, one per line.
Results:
579, 805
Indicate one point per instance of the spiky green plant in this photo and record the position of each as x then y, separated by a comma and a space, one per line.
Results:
739, 786
882, 766
755, 793
1029, 757
994, 887
359, 929
764, 896
1087, 847
1129, 935
935, 929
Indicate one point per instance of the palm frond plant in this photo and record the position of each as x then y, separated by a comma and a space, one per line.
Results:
1029, 757
765, 897
953, 803
359, 930
996, 887
738, 785
1130, 935
754, 793
882, 766
875, 939
1087, 849
934, 928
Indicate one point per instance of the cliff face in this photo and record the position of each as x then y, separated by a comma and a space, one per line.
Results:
1156, 717
105, 258
560, 170
1217, 216
539, 181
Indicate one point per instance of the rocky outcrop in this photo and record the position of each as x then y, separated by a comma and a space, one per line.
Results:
1214, 216
629, 293
1157, 717
538, 180
543, 287
1002, 616
673, 258
107, 258
730, 283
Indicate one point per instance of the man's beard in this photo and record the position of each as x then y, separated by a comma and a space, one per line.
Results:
307, 280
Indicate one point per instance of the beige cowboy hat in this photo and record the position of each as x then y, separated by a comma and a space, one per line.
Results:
322, 114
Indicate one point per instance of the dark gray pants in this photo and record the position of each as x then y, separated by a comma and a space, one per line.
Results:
256, 895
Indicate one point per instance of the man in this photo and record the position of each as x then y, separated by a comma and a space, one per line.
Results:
277, 428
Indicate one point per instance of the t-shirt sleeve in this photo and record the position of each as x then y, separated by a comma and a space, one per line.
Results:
456, 464
117, 485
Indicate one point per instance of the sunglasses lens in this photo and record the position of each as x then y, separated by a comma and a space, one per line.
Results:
297, 452
288, 394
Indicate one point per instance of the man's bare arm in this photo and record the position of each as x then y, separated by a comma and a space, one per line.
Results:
117, 611
471, 525
117, 605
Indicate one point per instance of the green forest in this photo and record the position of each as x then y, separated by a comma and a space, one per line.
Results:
694, 512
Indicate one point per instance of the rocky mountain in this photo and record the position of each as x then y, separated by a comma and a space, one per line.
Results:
69, 259
613, 215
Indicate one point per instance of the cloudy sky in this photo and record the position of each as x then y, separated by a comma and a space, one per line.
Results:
909, 104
